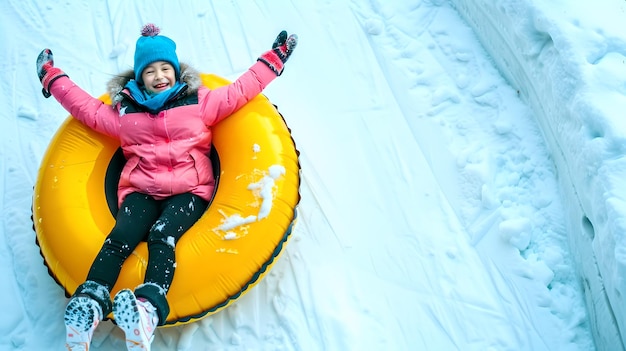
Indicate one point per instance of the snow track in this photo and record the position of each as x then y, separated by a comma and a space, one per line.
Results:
430, 218
533, 51
493, 184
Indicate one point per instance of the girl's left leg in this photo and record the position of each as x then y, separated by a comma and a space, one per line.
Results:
179, 213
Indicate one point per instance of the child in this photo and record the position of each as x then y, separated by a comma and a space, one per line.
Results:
162, 115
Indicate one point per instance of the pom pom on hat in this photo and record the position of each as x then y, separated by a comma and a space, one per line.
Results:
150, 30
152, 47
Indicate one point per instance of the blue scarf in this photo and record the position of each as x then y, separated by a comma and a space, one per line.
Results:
151, 101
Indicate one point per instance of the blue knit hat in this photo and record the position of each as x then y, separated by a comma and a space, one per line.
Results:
152, 47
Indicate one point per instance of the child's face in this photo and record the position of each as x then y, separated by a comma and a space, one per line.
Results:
158, 76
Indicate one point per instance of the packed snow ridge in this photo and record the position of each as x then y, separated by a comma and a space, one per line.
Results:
577, 114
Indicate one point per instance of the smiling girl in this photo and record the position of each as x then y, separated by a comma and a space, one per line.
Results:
162, 115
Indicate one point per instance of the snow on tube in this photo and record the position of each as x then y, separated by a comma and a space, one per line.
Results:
229, 249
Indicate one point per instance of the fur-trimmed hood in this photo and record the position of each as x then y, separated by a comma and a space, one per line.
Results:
188, 75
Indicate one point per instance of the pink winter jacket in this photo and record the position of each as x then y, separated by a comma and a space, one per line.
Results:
166, 153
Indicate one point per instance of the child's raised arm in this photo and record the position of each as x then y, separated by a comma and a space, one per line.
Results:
223, 101
90, 111
46, 71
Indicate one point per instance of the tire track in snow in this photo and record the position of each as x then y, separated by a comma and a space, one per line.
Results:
18, 254
222, 36
9, 294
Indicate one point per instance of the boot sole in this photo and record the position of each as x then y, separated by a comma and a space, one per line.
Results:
126, 313
80, 317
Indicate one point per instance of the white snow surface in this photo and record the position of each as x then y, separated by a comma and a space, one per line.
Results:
462, 169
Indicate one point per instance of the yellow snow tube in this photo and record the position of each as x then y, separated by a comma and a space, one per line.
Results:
229, 249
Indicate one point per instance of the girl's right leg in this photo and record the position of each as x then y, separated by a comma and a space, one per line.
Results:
91, 302
82, 316
132, 224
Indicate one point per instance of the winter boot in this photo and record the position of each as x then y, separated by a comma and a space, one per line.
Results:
82, 316
137, 318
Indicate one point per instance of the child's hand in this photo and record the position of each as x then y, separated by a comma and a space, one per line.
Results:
284, 46
281, 51
45, 61
46, 71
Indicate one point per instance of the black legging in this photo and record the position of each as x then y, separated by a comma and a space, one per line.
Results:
159, 222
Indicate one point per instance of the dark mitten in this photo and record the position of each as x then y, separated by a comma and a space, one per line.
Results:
281, 51
46, 71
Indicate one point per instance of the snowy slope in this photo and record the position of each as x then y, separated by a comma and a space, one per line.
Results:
433, 216
568, 64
